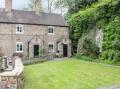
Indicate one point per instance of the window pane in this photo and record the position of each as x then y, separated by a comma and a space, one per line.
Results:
17, 29
50, 47
50, 29
20, 29
21, 48
17, 47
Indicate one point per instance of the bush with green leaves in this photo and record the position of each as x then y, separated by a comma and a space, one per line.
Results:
82, 57
111, 55
42, 51
90, 48
105, 14
116, 45
111, 46
97, 15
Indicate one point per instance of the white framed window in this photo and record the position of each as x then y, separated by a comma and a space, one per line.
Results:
19, 47
19, 29
50, 30
51, 47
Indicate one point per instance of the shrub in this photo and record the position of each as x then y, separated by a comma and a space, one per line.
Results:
18, 54
111, 55
82, 57
90, 48
42, 51
78, 55
111, 44
116, 45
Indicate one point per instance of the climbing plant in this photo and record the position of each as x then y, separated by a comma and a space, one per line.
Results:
112, 41
97, 15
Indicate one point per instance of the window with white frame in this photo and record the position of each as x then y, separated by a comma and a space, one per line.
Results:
19, 47
19, 29
50, 29
51, 47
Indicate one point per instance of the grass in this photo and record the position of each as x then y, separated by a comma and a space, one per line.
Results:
70, 74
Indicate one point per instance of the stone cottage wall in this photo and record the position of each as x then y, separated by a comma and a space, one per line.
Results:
37, 33
13, 79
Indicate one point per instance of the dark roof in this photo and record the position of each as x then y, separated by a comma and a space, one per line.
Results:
30, 17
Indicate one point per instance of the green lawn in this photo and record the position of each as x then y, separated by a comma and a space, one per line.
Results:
70, 74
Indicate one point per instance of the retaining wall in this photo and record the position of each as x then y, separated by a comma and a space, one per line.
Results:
13, 79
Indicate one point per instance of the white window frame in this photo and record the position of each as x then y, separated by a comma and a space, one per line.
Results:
53, 30
19, 26
19, 43
51, 43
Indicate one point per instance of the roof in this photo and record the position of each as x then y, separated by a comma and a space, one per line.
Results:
30, 17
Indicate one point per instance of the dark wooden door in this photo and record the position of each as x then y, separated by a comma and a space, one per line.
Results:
36, 51
65, 50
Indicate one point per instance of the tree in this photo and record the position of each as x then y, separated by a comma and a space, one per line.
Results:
74, 5
50, 4
32, 4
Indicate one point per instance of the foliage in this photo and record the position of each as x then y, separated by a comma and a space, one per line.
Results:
111, 55
81, 57
70, 74
18, 54
116, 45
111, 44
90, 48
74, 5
112, 34
97, 15
32, 4
42, 51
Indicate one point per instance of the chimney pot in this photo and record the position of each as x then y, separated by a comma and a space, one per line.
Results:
37, 7
8, 5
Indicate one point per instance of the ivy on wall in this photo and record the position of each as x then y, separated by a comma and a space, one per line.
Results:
112, 41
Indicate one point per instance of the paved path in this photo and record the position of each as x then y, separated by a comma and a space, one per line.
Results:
59, 59
112, 87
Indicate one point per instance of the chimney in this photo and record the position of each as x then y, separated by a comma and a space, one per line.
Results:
8, 5
37, 6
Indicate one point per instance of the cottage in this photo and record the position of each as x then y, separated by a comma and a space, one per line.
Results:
27, 32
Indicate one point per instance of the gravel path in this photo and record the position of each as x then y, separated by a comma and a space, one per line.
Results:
112, 87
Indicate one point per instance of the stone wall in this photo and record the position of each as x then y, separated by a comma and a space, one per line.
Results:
13, 79
38, 34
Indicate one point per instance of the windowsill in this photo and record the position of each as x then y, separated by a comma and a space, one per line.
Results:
51, 34
19, 33
19, 51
